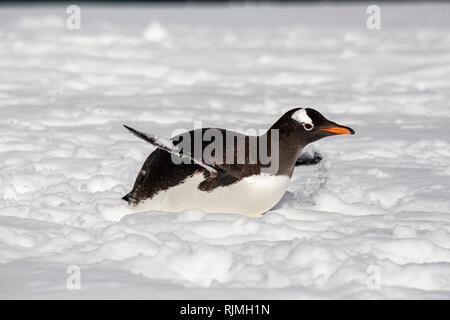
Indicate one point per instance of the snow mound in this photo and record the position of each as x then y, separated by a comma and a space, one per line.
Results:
155, 32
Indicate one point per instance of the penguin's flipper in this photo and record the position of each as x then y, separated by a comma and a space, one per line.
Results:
168, 146
307, 159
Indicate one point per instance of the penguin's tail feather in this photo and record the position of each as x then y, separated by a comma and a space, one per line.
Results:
127, 197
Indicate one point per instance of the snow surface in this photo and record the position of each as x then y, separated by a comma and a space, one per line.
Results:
376, 208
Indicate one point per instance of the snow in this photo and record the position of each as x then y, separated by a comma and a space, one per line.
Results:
155, 32
376, 208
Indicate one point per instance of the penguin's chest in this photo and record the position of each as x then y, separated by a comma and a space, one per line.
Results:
251, 196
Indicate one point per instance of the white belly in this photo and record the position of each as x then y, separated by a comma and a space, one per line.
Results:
252, 196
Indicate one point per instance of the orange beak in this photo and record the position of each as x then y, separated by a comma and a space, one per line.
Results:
339, 130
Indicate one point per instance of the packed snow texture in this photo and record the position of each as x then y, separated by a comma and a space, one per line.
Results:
372, 220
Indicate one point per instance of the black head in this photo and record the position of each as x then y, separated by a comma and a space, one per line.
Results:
309, 125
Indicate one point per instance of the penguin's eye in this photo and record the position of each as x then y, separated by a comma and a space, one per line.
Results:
308, 126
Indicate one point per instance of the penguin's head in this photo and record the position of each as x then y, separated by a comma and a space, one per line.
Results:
309, 125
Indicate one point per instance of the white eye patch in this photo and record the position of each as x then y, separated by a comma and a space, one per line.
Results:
302, 117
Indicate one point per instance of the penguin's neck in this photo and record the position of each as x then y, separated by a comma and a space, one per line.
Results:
289, 148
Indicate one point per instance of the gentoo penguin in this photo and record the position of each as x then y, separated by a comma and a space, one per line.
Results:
232, 177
